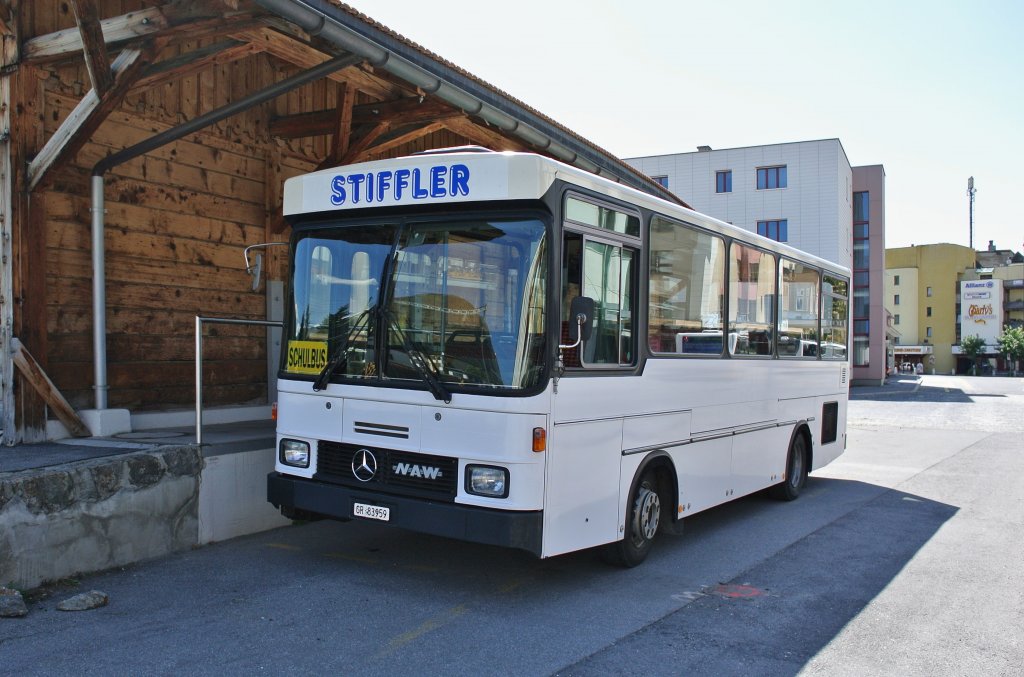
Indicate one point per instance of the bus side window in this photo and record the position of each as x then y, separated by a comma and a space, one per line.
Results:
751, 300
686, 291
606, 273
607, 278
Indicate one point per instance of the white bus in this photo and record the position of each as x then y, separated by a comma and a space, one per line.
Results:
496, 347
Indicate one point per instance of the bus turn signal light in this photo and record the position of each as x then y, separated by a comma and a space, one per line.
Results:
540, 439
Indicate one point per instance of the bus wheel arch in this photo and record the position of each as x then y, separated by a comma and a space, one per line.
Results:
650, 510
799, 461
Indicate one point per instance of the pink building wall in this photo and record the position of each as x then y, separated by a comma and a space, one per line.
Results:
871, 178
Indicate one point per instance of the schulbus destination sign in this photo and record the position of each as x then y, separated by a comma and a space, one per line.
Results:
306, 357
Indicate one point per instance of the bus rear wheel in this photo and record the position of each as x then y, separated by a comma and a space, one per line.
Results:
641, 525
796, 471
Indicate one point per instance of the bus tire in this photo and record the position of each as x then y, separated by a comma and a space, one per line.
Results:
796, 470
641, 524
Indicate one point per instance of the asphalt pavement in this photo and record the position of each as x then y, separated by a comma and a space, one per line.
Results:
903, 557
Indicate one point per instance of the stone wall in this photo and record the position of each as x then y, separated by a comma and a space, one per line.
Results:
88, 516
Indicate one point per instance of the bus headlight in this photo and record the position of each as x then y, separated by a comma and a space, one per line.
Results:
487, 480
295, 453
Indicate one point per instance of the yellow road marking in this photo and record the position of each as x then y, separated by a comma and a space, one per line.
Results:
437, 621
423, 628
283, 546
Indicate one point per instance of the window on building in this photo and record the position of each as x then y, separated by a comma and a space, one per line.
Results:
896, 280
771, 177
896, 319
896, 299
861, 204
723, 181
777, 230
896, 340
928, 291
663, 180
928, 332
861, 278
751, 301
861, 351
928, 311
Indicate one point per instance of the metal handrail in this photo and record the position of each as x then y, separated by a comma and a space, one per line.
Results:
199, 359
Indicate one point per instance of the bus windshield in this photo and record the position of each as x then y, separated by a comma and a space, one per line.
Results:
464, 305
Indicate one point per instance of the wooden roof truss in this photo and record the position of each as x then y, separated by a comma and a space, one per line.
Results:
400, 114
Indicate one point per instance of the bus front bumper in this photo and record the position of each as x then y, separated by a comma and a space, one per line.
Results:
521, 530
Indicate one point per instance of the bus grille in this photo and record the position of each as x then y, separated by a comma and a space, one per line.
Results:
398, 472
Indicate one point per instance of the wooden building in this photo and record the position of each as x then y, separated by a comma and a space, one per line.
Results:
189, 115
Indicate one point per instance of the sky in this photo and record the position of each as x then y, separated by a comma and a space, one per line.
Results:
934, 91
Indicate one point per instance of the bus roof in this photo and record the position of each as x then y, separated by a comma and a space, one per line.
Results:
481, 175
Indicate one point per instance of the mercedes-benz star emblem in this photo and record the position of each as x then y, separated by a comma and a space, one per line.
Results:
364, 465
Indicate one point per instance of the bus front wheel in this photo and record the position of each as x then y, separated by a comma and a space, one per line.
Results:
641, 525
796, 471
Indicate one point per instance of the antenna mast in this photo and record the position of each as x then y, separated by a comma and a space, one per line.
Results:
970, 192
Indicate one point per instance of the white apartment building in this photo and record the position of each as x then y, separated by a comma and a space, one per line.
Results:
807, 195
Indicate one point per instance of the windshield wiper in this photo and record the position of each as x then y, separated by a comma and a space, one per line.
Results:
340, 357
423, 366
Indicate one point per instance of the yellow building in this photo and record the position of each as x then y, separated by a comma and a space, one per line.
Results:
921, 286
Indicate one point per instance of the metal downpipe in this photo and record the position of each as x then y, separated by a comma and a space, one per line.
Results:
99, 293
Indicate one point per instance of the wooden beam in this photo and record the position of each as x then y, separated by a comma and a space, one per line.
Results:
273, 180
193, 20
10, 36
42, 384
304, 55
356, 149
8, 176
343, 125
402, 139
116, 29
93, 44
405, 111
89, 114
482, 134
191, 63
317, 123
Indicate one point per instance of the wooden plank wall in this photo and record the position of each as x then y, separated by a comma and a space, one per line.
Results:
177, 222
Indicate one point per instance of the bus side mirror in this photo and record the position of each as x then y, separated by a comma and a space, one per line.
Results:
255, 267
255, 270
581, 316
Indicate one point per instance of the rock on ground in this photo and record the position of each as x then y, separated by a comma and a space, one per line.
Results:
85, 601
11, 604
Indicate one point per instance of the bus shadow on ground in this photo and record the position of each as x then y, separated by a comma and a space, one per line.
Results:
778, 615
922, 394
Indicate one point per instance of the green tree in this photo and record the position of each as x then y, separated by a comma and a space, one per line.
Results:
1011, 344
972, 347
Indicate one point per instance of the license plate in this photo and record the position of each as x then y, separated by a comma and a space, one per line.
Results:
373, 512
